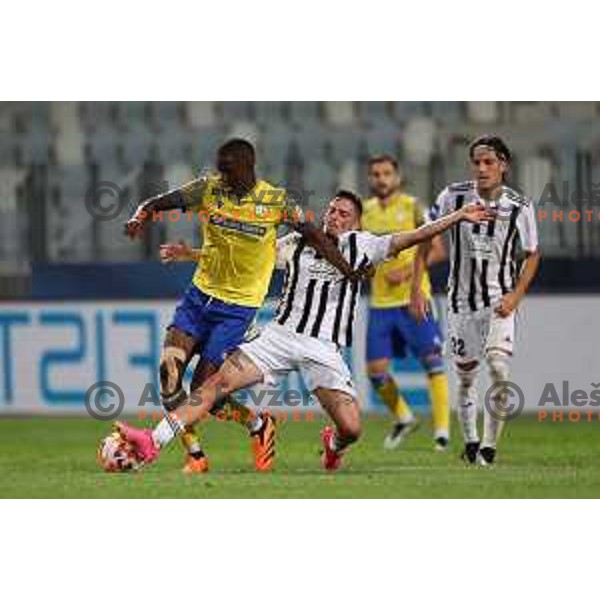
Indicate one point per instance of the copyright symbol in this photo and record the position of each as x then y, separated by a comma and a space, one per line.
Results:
100, 401
514, 401
504, 200
104, 201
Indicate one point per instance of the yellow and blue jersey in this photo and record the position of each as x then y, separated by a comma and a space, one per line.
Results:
238, 250
402, 213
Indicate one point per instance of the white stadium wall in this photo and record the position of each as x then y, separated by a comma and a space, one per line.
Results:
51, 353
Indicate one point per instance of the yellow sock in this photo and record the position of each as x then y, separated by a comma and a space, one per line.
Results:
389, 393
190, 439
440, 404
236, 411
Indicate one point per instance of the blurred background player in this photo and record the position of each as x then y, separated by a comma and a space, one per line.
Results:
485, 286
392, 327
239, 216
314, 319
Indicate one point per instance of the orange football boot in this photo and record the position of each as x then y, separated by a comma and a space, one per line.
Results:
195, 465
263, 445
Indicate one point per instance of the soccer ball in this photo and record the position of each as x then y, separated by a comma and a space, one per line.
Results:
116, 454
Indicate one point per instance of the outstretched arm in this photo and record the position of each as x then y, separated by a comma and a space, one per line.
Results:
181, 198
474, 213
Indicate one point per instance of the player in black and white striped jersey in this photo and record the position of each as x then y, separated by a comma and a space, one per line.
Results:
485, 286
315, 318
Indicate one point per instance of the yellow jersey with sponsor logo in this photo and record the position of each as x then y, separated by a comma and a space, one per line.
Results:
402, 213
238, 251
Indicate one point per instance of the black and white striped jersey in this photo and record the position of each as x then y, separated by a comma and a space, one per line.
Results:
483, 255
316, 299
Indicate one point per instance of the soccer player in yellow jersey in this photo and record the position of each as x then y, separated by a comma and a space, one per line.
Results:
239, 216
392, 327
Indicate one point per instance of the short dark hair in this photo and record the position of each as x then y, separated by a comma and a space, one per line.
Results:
384, 158
354, 198
493, 142
240, 148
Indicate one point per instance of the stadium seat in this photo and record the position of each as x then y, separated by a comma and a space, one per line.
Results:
201, 115
342, 145
165, 116
373, 113
483, 113
274, 170
69, 147
339, 114
13, 225
236, 111
311, 142
447, 113
113, 245
174, 146
97, 116
348, 175
418, 182
135, 148
101, 147
419, 141
64, 116
39, 116
403, 111
577, 111
320, 180
534, 174
528, 113
69, 231
274, 143
269, 112
204, 146
385, 140
7, 149
304, 114
133, 116
33, 148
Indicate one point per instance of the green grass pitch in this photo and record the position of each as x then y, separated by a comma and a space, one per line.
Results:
54, 458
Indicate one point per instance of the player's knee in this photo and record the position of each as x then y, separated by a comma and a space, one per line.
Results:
433, 363
467, 372
498, 365
172, 367
378, 379
378, 367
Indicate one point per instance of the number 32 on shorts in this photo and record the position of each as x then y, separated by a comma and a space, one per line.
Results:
457, 346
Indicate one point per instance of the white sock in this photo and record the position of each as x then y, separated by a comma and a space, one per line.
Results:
441, 433
254, 423
467, 403
167, 430
492, 426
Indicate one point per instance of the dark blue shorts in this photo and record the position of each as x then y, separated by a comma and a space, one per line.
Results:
216, 326
391, 331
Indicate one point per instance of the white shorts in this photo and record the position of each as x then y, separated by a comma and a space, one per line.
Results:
472, 335
278, 350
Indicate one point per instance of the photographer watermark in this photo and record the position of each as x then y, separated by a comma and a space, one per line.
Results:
504, 401
557, 403
105, 201
104, 401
